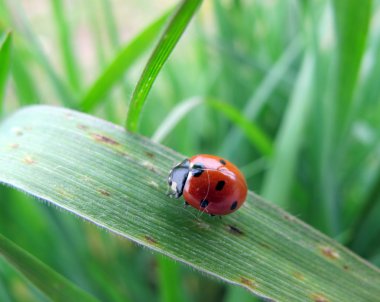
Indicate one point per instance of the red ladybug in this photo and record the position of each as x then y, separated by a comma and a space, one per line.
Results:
208, 183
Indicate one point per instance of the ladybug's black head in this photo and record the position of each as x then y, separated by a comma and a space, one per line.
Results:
177, 178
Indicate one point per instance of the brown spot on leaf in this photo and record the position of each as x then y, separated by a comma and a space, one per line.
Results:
61, 191
202, 225
104, 139
319, 298
69, 115
17, 131
153, 184
288, 217
14, 146
150, 240
149, 154
123, 154
82, 127
345, 267
234, 230
248, 282
28, 160
104, 192
148, 165
263, 244
298, 276
330, 252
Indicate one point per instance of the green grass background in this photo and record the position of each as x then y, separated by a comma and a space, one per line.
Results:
287, 90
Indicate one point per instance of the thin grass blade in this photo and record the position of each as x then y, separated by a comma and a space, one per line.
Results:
120, 64
261, 95
48, 281
174, 117
165, 46
66, 46
253, 133
352, 19
117, 180
63, 92
278, 181
5, 63
170, 280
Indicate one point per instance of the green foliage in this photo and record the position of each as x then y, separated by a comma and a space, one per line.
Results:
5, 62
287, 90
57, 288
165, 46
69, 60
120, 64
117, 180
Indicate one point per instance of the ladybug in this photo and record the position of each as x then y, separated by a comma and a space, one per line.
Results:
208, 183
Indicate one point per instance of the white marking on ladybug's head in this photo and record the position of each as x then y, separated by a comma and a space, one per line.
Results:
173, 187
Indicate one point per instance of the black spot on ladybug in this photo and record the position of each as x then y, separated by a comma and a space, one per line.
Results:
234, 230
197, 169
222, 161
220, 185
204, 203
234, 205
197, 173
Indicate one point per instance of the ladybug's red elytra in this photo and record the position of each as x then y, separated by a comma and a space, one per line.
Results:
208, 183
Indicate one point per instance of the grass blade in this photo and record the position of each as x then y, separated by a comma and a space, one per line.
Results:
120, 64
352, 24
174, 117
277, 183
117, 180
254, 134
170, 289
27, 89
262, 93
48, 281
69, 61
165, 46
63, 92
5, 63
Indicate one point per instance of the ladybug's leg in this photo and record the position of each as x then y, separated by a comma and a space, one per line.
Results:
185, 204
213, 215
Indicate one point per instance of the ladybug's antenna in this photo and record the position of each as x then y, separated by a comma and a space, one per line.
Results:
208, 190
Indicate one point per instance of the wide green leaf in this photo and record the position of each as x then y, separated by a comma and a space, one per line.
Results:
117, 180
